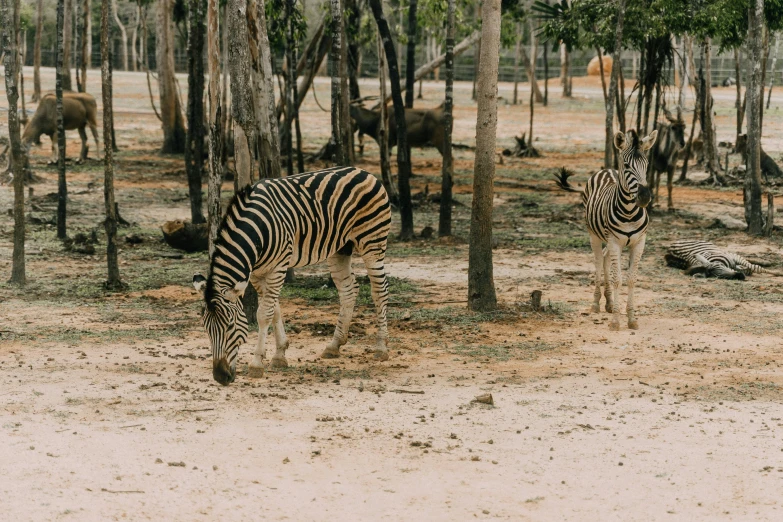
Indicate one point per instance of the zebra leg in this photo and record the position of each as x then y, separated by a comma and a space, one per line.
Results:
595, 244
379, 287
342, 275
607, 288
268, 289
281, 340
635, 255
615, 278
669, 177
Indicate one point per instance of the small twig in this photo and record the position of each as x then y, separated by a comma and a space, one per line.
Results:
409, 391
60, 431
129, 491
194, 411
131, 426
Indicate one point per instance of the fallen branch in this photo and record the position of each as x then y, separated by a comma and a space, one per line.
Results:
195, 411
131, 426
128, 491
414, 392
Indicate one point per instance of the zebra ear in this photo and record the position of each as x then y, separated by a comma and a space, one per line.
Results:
236, 293
649, 141
199, 283
619, 140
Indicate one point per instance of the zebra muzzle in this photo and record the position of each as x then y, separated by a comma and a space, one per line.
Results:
223, 373
643, 197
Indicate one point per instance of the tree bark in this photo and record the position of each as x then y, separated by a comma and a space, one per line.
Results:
123, 35
755, 30
765, 53
447, 175
9, 26
84, 57
22, 59
89, 33
772, 71
290, 82
517, 54
481, 284
263, 75
194, 146
62, 187
113, 269
170, 104
135, 39
403, 150
383, 126
565, 70
711, 161
37, 53
242, 95
410, 62
546, 74
353, 21
215, 122
609, 149
67, 34
334, 67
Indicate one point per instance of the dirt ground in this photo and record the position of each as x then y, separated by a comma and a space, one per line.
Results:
108, 410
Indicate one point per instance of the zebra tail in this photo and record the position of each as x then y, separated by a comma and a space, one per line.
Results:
561, 180
750, 268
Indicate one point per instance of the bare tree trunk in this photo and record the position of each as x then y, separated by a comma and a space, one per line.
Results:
224, 104
62, 187
447, 179
476, 55
290, 82
772, 70
609, 149
170, 104
685, 42
215, 124
755, 44
242, 95
269, 140
113, 281
410, 62
403, 150
37, 53
531, 75
532, 64
123, 35
194, 143
546, 74
711, 161
353, 27
516, 61
22, 58
89, 34
9, 26
738, 102
342, 153
295, 95
565, 70
383, 126
84, 57
481, 284
67, 35
135, 38
765, 52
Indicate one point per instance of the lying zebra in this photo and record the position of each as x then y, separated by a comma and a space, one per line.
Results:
702, 257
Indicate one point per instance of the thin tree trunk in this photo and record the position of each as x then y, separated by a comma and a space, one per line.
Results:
532, 63
345, 102
447, 179
289, 86
242, 95
772, 71
84, 56
601, 72
194, 143
295, 95
123, 35
62, 187
481, 284
403, 150
67, 44
224, 105
89, 34
9, 24
516, 62
640, 81
696, 111
410, 62
565, 66
609, 149
383, 126
755, 44
546, 75
22, 58
353, 25
712, 163
738, 102
269, 140
135, 38
215, 122
170, 104
684, 74
37, 53
113, 281
476, 54
334, 68
765, 51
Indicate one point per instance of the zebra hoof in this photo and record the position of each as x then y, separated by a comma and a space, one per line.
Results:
609, 308
633, 324
381, 355
614, 325
330, 353
595, 309
255, 372
278, 362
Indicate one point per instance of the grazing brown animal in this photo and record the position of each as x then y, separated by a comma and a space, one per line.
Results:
79, 111
425, 126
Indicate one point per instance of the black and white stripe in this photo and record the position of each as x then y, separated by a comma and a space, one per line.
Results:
286, 223
615, 213
703, 257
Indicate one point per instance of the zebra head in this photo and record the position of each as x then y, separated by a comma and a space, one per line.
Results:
224, 320
633, 176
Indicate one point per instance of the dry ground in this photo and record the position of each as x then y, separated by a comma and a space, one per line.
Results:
108, 409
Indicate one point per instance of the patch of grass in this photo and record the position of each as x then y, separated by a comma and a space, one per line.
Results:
320, 289
453, 316
325, 372
525, 351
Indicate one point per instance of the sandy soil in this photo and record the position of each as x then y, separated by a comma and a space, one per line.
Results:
108, 409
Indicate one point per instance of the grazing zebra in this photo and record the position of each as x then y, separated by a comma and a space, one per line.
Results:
285, 223
671, 140
615, 213
702, 257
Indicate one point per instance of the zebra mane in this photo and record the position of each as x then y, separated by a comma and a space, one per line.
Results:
634, 139
210, 293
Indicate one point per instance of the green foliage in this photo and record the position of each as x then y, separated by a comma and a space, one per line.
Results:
26, 16
277, 24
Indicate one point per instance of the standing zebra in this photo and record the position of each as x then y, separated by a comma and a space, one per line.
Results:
615, 213
292, 222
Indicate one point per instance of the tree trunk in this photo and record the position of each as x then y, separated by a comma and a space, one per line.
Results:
66, 49
772, 71
170, 104
62, 187
765, 52
383, 126
546, 74
711, 161
215, 122
290, 82
403, 150
269, 140
565, 70
308, 65
22, 59
609, 149
481, 284
685, 42
135, 39
334, 68
9, 26
242, 95
194, 146
37, 53
476, 55
447, 180
84, 57
113, 281
601, 73
123, 35
531, 76
755, 44
532, 66
295, 95
89, 33
738, 102
353, 21
224, 103
516, 62
410, 62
